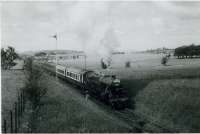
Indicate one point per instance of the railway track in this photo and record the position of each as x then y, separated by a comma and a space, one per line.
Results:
138, 121
131, 119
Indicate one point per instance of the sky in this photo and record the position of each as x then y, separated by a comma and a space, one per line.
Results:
99, 26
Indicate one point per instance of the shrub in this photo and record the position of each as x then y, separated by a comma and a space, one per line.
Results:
33, 89
164, 60
128, 64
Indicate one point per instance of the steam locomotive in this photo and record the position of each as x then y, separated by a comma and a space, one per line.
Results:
106, 88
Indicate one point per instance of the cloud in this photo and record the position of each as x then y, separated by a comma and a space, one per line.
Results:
83, 25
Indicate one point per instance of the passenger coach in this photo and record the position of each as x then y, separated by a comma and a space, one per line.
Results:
71, 74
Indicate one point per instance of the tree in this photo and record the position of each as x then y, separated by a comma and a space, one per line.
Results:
187, 51
3, 58
7, 57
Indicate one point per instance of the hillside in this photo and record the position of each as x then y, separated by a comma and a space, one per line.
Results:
174, 104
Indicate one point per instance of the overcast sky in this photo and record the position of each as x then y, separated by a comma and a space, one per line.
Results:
100, 25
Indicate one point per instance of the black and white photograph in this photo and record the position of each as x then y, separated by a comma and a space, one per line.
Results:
111, 66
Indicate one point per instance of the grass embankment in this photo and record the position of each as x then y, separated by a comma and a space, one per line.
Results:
65, 110
174, 104
170, 97
11, 82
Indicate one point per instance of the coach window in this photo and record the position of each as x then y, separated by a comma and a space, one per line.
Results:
61, 71
81, 78
77, 77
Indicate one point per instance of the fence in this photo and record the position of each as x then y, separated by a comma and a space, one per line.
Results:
12, 124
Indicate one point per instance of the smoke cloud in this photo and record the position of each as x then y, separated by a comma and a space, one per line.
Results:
93, 25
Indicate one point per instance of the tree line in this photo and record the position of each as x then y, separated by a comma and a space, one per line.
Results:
191, 51
8, 56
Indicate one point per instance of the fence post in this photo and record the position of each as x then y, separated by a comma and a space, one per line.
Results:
21, 103
5, 126
16, 117
18, 111
11, 122
23, 100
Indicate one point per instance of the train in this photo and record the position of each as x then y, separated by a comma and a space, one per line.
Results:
106, 88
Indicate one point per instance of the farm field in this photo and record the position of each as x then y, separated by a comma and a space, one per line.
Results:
141, 64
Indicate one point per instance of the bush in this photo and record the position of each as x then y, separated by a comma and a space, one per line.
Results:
128, 64
33, 89
164, 60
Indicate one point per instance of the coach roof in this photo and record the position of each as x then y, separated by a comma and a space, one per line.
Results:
72, 69
75, 70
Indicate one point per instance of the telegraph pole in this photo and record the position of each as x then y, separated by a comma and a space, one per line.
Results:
56, 37
85, 61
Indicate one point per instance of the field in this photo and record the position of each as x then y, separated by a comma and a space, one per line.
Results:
142, 64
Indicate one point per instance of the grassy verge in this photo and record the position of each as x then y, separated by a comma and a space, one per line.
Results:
173, 103
11, 82
65, 110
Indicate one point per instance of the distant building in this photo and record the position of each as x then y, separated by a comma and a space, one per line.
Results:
161, 51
